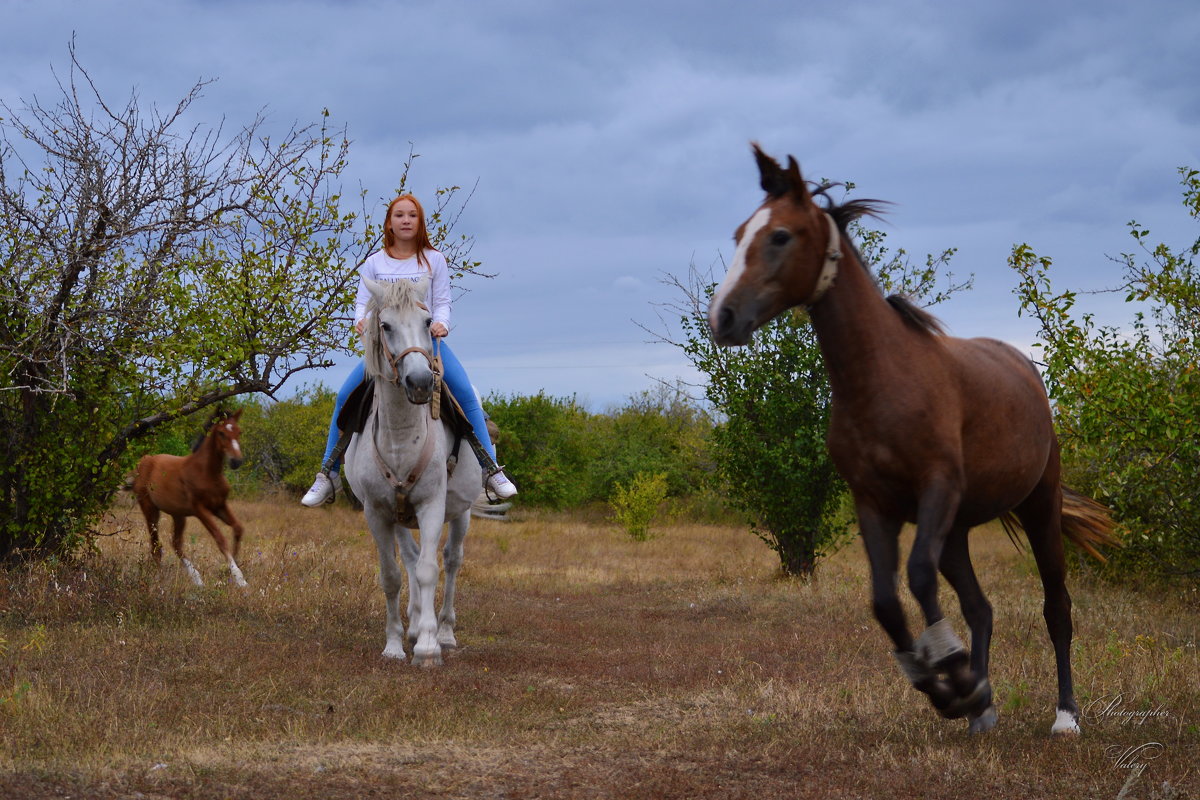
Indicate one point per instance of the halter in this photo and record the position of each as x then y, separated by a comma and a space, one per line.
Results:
829, 270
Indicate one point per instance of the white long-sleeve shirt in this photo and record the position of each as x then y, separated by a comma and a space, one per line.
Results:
380, 266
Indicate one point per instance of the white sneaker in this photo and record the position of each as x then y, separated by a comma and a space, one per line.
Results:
500, 485
322, 491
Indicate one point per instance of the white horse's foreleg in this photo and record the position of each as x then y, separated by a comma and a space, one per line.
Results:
427, 652
452, 558
408, 554
390, 581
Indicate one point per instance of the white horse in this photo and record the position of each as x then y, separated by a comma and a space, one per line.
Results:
397, 467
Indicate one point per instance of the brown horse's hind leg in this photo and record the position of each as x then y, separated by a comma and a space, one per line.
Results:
1041, 515
151, 513
177, 543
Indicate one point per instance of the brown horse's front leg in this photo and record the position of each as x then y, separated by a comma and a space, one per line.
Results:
225, 514
210, 522
880, 537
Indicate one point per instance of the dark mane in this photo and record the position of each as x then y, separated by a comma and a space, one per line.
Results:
850, 211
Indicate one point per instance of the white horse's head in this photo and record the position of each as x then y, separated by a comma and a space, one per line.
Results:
396, 338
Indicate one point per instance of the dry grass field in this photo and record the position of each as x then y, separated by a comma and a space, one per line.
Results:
590, 666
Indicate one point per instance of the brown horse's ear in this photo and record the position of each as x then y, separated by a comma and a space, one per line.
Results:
771, 176
235, 416
796, 181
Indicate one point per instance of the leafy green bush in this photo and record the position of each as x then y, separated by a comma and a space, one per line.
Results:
545, 444
1127, 399
635, 505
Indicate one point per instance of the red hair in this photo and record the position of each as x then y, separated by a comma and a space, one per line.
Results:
422, 240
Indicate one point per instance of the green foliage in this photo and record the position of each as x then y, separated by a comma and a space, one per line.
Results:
284, 440
546, 443
1127, 399
770, 452
658, 431
636, 505
564, 456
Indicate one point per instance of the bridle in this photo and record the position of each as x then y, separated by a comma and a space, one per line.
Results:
394, 359
404, 510
829, 270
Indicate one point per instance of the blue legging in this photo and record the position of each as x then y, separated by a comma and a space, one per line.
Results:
456, 381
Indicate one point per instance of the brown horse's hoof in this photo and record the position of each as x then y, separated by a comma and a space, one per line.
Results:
974, 704
982, 723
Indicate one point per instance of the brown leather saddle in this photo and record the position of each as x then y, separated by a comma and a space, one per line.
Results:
357, 410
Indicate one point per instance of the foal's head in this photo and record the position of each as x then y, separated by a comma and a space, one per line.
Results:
397, 341
787, 254
226, 435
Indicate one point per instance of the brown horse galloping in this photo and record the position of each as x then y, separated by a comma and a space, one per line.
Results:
193, 486
925, 428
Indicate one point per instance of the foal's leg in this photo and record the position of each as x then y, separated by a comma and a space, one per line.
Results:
177, 543
960, 574
225, 514
452, 557
151, 513
210, 522
881, 539
1041, 517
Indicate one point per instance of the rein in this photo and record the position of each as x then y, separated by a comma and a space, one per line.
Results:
829, 270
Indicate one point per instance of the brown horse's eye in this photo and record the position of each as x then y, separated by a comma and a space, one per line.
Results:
780, 237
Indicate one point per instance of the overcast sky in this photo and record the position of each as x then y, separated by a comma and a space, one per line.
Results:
610, 141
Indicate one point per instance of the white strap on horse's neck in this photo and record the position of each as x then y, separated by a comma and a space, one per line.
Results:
829, 270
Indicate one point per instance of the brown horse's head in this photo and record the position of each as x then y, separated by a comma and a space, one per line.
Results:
787, 254
226, 436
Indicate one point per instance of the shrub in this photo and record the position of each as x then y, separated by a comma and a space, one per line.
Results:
636, 505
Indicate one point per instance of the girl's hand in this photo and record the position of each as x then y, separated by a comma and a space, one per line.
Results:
438, 329
358, 326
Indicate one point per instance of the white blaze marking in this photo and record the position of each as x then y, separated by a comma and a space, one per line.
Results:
755, 224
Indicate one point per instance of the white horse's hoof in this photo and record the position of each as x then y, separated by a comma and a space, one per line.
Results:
395, 651
428, 660
985, 721
446, 638
1066, 723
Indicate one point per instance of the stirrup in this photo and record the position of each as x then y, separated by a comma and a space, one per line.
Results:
492, 471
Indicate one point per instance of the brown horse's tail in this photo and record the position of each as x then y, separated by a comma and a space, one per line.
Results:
1087, 523
1084, 522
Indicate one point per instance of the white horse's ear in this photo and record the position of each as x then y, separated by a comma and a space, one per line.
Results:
376, 288
422, 284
